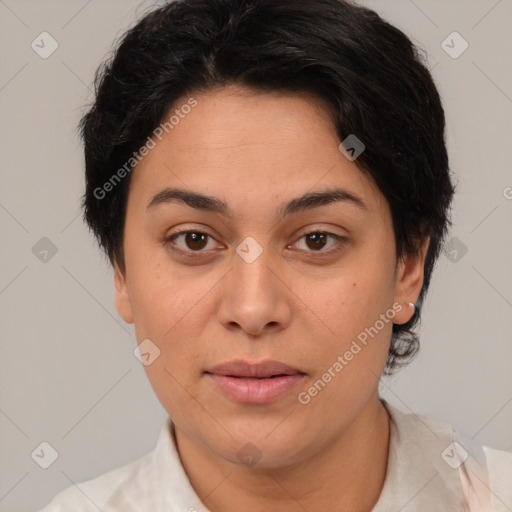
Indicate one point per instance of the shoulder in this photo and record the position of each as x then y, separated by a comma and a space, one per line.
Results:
487, 481
123, 486
481, 475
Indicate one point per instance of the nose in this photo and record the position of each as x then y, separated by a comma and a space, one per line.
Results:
255, 298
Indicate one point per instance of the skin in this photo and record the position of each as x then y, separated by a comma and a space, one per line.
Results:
256, 151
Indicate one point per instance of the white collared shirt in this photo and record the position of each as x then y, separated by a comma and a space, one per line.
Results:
430, 468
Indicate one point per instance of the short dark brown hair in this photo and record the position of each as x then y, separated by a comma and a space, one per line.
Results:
370, 74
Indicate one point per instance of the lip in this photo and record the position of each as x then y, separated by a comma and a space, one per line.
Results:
255, 383
240, 368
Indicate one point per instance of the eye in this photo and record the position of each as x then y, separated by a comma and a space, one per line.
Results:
194, 241
317, 240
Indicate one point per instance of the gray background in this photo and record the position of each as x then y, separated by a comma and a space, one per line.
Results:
68, 373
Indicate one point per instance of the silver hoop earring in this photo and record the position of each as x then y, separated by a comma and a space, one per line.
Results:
413, 305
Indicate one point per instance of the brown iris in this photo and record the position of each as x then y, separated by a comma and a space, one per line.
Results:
196, 241
318, 240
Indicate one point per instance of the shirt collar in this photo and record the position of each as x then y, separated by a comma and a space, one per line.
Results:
417, 475
175, 490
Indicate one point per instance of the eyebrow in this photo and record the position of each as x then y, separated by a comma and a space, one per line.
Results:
211, 204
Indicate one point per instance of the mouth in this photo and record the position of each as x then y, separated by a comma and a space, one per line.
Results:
255, 383
246, 370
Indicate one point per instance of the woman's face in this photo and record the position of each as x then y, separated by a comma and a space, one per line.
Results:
260, 275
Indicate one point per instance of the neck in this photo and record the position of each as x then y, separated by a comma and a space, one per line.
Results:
348, 474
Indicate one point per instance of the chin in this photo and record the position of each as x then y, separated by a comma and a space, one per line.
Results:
260, 447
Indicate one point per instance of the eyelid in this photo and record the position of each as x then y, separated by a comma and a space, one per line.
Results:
338, 246
168, 242
340, 239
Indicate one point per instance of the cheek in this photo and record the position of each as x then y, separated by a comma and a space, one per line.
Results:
351, 356
354, 302
173, 311
165, 299
356, 323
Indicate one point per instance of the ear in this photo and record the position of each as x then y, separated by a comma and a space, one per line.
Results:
122, 298
409, 281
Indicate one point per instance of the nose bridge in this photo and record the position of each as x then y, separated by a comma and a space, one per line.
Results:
252, 266
254, 297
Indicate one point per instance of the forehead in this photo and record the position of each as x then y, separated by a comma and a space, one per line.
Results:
259, 144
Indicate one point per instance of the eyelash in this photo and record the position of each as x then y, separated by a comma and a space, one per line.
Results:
200, 254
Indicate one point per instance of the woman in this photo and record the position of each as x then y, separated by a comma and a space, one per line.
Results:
270, 182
